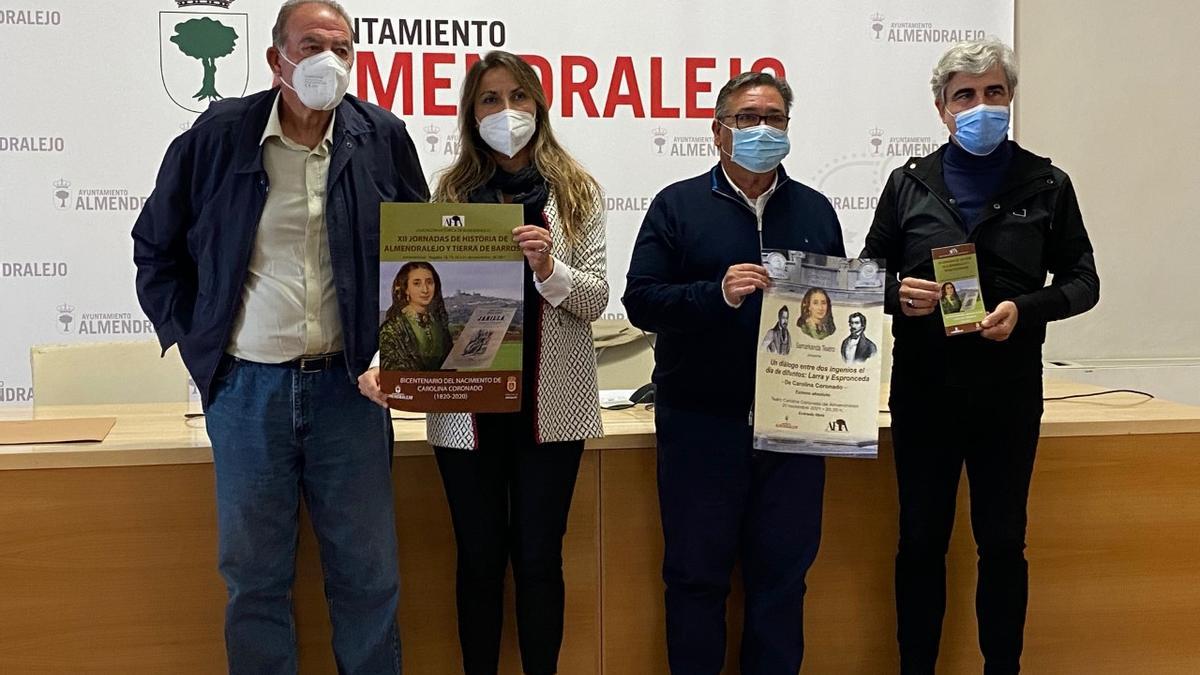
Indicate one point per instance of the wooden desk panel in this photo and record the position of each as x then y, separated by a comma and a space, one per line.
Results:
108, 554
1114, 551
107, 570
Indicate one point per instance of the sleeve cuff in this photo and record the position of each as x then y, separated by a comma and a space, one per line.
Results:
375, 360
727, 302
557, 286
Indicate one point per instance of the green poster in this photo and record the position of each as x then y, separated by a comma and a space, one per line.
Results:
956, 270
451, 301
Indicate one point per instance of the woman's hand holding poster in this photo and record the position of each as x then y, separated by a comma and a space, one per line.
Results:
451, 283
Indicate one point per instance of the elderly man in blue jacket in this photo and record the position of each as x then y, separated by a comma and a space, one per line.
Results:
694, 280
257, 254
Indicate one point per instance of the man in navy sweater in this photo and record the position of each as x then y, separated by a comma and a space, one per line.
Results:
694, 280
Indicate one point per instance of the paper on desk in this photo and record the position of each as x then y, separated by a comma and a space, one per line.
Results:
22, 432
611, 396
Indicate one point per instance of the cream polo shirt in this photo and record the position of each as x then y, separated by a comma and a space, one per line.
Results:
289, 305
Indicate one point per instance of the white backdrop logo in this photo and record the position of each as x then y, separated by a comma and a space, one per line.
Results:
62, 194
95, 198
203, 55
101, 323
876, 140
908, 146
684, 146
877, 24
921, 31
66, 316
660, 138
433, 136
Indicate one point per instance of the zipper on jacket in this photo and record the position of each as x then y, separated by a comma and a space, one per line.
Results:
264, 183
757, 223
743, 203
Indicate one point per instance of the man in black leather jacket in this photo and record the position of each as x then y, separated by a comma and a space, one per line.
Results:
1021, 214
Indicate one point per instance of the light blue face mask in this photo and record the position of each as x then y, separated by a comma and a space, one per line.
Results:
982, 128
759, 149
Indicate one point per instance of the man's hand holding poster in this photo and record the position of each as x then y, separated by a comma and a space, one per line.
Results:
818, 379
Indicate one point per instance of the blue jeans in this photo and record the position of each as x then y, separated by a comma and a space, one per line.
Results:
277, 434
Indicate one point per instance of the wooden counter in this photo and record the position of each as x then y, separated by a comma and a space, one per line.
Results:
108, 553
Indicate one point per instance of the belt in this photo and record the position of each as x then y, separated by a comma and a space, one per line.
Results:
315, 363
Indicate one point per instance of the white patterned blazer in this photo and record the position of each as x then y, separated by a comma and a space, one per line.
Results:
567, 400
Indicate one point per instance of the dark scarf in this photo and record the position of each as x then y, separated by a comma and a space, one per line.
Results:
526, 187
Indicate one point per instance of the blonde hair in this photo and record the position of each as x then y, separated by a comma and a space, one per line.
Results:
576, 192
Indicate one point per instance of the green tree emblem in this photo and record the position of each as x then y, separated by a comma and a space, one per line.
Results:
205, 40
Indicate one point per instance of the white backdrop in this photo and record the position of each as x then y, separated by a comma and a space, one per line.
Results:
94, 92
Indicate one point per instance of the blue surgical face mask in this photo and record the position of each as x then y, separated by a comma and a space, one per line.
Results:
759, 149
982, 128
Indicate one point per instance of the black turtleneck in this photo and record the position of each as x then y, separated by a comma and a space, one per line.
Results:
973, 180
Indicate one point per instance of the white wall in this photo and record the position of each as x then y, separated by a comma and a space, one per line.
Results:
1110, 91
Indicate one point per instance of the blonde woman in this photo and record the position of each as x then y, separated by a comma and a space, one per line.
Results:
509, 477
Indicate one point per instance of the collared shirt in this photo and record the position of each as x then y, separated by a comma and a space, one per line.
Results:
850, 348
289, 305
757, 205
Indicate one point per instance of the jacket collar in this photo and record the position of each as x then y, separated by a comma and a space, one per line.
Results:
721, 185
347, 120
1024, 168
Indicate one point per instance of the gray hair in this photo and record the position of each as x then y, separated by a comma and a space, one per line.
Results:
279, 36
752, 79
974, 57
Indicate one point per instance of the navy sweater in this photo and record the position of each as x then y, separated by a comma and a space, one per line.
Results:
974, 180
693, 232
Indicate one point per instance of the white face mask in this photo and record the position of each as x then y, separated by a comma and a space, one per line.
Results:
320, 80
507, 131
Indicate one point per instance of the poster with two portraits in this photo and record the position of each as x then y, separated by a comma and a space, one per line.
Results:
819, 374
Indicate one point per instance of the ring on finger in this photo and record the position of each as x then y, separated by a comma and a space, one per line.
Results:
911, 303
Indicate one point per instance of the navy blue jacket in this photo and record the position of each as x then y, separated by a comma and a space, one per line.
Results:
193, 239
693, 232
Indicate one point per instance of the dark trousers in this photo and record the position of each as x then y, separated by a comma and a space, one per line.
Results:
510, 498
993, 429
720, 499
